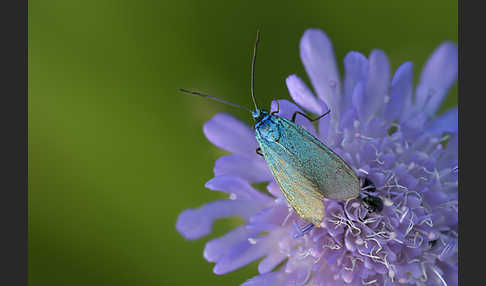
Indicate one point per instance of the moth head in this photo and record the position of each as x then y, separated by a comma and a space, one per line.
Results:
258, 115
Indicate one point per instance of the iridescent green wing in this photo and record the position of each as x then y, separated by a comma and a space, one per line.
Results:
336, 180
305, 169
301, 192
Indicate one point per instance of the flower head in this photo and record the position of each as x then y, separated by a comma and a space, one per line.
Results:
404, 231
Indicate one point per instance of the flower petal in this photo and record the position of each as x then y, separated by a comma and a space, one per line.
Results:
450, 273
302, 95
227, 132
452, 145
413, 124
449, 159
401, 94
446, 122
236, 187
268, 279
438, 75
274, 189
287, 110
358, 100
273, 259
376, 87
240, 255
324, 130
317, 55
355, 71
215, 249
273, 215
195, 223
251, 169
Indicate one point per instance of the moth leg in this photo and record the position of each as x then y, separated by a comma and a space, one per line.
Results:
259, 151
278, 109
305, 115
301, 230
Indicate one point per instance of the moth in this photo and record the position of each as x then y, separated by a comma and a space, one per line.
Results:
306, 170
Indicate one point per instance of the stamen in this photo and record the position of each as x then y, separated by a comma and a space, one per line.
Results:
377, 154
427, 220
368, 282
424, 273
381, 234
353, 227
413, 261
373, 257
331, 246
353, 264
307, 277
404, 215
364, 171
415, 243
379, 162
447, 249
391, 274
438, 275
378, 243
367, 188
291, 211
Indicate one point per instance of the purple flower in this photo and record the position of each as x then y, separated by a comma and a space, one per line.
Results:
391, 135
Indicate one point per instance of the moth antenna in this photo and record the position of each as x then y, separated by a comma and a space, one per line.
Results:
214, 98
252, 87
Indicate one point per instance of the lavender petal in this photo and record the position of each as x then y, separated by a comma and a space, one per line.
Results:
230, 134
268, 279
376, 87
271, 261
317, 55
401, 93
240, 255
355, 71
302, 95
237, 188
215, 249
446, 122
252, 169
195, 223
438, 75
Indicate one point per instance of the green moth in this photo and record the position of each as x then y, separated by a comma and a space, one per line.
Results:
305, 169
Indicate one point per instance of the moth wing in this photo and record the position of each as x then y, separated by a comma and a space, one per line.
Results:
300, 191
335, 178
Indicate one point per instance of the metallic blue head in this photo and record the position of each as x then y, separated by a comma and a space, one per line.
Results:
258, 115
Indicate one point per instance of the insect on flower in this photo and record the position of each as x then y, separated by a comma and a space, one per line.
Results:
305, 169
402, 229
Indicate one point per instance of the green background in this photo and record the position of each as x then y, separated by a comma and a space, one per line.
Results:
115, 152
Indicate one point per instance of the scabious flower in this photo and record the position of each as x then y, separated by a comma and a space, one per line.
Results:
391, 135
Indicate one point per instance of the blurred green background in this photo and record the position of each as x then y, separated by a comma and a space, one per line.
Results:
115, 152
